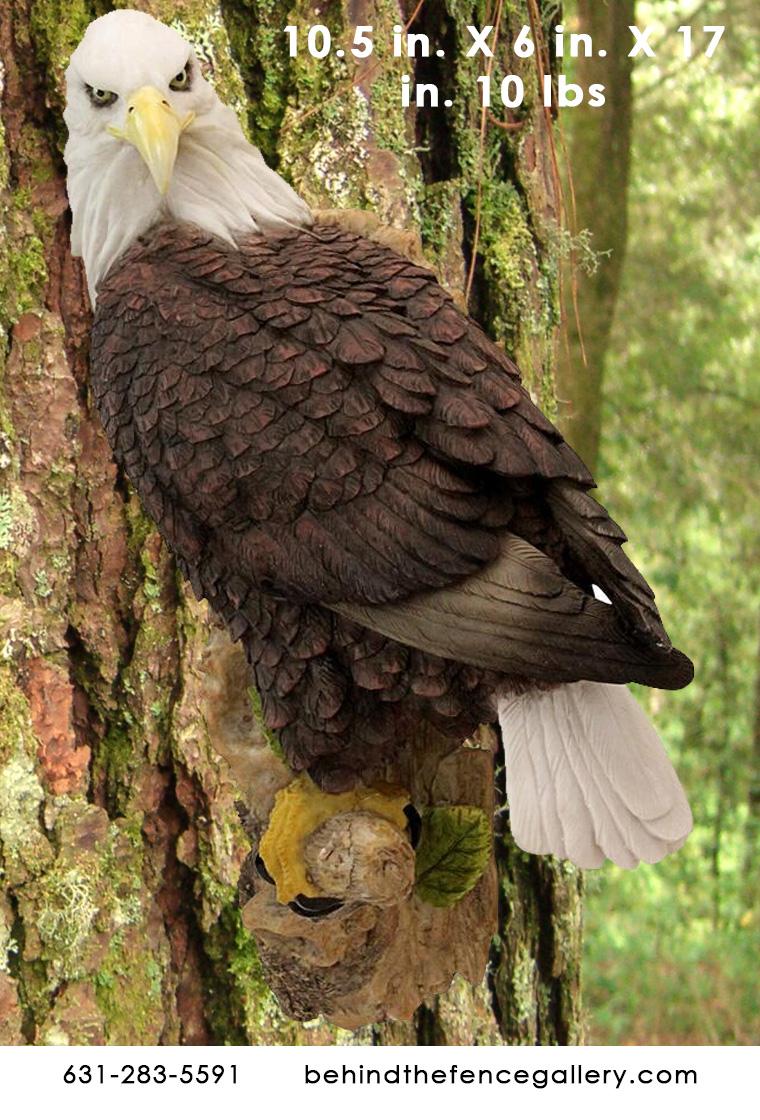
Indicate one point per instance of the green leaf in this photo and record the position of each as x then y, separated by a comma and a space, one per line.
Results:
454, 850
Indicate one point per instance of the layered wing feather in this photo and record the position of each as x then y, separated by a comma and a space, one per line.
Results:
313, 417
520, 617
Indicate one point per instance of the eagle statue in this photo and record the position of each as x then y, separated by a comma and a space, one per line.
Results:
351, 473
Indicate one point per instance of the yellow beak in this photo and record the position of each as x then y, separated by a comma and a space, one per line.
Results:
154, 128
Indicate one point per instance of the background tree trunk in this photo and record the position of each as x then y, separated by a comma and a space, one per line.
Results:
752, 831
600, 156
120, 845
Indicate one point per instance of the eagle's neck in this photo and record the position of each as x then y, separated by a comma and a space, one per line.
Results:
220, 183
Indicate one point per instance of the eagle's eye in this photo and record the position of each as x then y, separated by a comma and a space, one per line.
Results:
182, 80
101, 97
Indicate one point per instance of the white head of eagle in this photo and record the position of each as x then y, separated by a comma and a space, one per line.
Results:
148, 135
351, 472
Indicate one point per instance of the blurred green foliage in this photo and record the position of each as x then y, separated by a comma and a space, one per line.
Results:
673, 951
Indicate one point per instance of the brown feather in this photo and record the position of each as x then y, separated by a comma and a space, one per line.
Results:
271, 405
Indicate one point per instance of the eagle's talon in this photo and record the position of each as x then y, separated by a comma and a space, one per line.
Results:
351, 845
261, 867
315, 908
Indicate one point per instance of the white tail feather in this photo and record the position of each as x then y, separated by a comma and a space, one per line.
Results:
588, 778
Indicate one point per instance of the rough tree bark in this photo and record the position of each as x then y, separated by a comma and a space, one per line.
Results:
120, 845
600, 153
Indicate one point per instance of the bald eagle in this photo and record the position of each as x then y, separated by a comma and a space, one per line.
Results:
352, 474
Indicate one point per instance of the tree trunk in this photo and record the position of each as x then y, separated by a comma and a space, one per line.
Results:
119, 921
600, 146
751, 876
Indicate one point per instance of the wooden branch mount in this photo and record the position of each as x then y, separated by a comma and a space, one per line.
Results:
383, 948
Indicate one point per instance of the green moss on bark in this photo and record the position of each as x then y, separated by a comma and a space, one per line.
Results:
242, 1008
26, 851
23, 269
256, 35
56, 28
